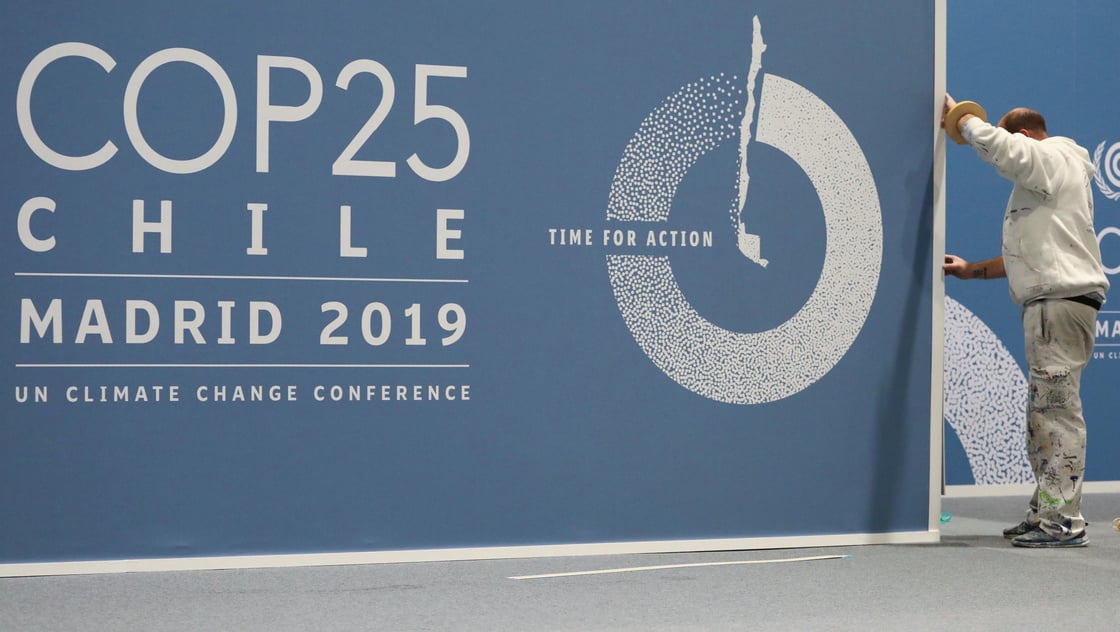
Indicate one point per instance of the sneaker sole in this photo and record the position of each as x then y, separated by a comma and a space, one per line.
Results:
1057, 544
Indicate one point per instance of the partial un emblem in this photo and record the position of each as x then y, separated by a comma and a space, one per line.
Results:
1107, 174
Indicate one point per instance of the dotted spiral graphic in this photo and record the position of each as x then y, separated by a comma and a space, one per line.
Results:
737, 367
985, 399
689, 124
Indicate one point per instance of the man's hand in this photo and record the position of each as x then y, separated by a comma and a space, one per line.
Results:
986, 269
970, 111
955, 266
949, 103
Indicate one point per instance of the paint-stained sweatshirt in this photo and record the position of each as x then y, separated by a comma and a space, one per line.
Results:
1050, 249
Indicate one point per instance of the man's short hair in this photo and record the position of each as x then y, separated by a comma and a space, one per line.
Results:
1023, 118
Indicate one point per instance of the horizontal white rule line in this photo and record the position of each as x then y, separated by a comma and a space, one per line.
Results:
230, 277
634, 569
242, 366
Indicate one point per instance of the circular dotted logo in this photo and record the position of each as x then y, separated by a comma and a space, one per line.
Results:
732, 366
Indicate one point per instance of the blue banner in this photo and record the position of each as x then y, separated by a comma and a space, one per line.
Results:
985, 385
346, 276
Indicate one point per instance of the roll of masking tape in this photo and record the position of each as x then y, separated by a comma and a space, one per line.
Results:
953, 118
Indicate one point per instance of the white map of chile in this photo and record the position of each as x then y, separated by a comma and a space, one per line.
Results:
984, 387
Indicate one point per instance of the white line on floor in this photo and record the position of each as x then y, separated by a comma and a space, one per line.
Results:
667, 566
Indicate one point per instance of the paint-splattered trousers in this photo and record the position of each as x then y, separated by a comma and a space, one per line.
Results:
1059, 341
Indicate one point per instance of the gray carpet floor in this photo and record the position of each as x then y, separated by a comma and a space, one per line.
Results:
972, 580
